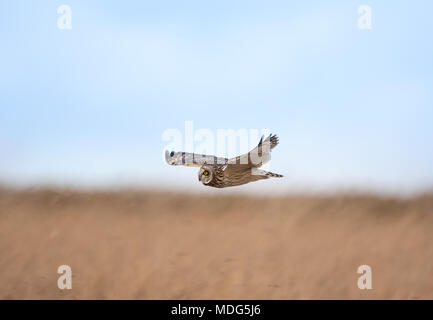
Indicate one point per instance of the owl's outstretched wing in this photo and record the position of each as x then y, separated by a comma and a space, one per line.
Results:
192, 159
259, 155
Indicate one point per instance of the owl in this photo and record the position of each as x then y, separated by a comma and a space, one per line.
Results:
220, 172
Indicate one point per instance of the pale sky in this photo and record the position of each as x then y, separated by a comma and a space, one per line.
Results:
88, 106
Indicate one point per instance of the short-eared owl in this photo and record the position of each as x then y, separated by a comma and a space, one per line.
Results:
222, 172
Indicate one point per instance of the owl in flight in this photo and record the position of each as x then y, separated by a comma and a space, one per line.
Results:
222, 172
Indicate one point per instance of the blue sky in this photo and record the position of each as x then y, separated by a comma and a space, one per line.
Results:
88, 106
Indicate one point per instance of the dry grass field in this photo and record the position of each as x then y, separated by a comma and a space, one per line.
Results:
162, 245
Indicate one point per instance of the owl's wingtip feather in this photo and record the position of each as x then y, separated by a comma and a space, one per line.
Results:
273, 138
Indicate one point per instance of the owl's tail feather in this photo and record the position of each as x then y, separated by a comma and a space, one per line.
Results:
275, 175
265, 174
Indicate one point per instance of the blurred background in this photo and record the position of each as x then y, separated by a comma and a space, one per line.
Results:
83, 112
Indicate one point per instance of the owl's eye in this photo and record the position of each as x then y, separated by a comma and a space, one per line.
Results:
206, 173
171, 153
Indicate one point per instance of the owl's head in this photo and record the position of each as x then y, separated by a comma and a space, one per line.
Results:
206, 174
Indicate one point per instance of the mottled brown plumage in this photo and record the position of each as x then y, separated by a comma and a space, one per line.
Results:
222, 172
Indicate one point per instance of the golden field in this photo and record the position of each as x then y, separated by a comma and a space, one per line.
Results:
164, 245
